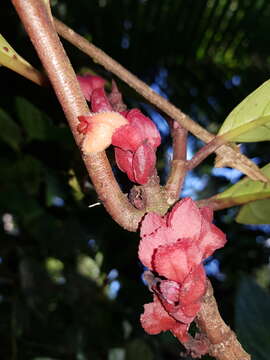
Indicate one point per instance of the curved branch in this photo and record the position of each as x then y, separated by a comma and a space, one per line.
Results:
223, 203
37, 20
223, 342
232, 157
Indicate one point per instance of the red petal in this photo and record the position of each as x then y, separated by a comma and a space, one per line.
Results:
144, 161
175, 261
181, 332
99, 101
151, 242
191, 310
182, 313
150, 223
88, 83
124, 162
193, 287
155, 319
145, 126
185, 219
127, 138
207, 213
139, 130
211, 238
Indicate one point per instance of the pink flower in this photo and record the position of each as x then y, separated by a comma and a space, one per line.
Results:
136, 145
174, 247
89, 83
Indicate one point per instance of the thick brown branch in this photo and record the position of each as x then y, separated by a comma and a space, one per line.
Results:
38, 23
233, 158
223, 341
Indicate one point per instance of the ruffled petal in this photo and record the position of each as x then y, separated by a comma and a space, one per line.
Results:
182, 313
190, 310
194, 286
155, 319
207, 213
211, 238
151, 242
150, 223
176, 260
185, 219
180, 331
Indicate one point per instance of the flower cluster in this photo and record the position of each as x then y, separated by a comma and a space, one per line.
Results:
134, 136
173, 248
135, 146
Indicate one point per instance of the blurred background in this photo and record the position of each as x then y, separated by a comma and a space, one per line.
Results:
70, 279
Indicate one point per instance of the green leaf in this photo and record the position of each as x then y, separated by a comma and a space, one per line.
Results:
9, 130
12, 60
257, 212
250, 120
35, 122
252, 319
247, 190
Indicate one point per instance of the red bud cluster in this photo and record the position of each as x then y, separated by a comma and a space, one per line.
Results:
173, 247
135, 139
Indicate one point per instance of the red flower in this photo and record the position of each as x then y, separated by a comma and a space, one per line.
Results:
136, 145
174, 247
89, 83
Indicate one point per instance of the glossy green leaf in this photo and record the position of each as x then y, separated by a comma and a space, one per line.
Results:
257, 212
12, 60
247, 190
252, 319
9, 130
250, 120
35, 122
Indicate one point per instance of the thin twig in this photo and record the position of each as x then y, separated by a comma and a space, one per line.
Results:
224, 203
233, 158
178, 163
38, 23
205, 151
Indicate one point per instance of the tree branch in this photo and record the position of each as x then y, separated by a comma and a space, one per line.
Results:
37, 20
233, 158
178, 163
223, 342
223, 203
